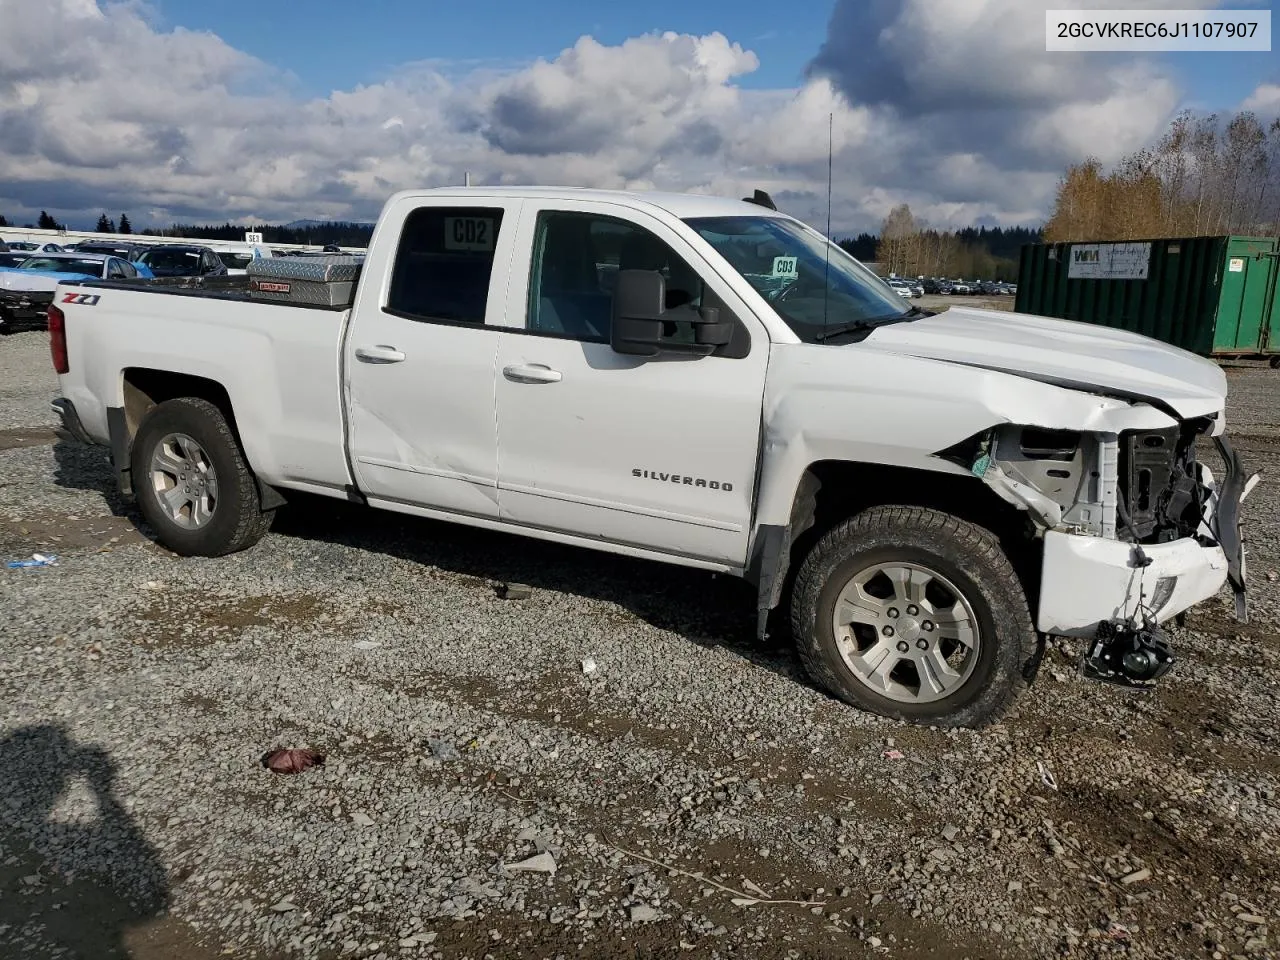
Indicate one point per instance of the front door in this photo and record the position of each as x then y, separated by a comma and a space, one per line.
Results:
420, 361
655, 453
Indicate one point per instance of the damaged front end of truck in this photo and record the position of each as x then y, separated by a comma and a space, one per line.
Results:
1135, 530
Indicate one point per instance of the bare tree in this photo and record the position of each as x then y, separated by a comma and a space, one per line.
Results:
898, 244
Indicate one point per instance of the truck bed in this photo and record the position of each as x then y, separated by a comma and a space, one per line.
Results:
235, 288
280, 365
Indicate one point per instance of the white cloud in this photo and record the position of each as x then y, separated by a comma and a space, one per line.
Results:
948, 106
1265, 100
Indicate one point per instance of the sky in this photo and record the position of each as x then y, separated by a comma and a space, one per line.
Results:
182, 110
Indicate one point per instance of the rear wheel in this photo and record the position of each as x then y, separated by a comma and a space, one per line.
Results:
914, 614
193, 484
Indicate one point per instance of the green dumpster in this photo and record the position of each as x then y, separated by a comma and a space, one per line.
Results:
1215, 296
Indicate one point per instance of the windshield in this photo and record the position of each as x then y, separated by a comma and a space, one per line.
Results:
63, 265
787, 265
173, 262
13, 259
235, 261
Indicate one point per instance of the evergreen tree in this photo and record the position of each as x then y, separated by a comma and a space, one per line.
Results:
125, 225
105, 225
3, 221
47, 222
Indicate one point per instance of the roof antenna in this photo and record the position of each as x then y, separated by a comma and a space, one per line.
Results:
826, 267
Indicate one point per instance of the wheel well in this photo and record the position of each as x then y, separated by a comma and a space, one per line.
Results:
841, 489
145, 388
831, 491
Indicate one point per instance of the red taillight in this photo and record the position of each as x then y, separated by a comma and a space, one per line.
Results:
58, 340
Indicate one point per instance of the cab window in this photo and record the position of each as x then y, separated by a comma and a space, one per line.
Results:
576, 259
443, 264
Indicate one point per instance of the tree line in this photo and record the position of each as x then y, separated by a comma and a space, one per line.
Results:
344, 234
909, 247
317, 234
1206, 176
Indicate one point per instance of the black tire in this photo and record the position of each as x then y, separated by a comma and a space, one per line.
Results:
1275, 362
967, 555
237, 520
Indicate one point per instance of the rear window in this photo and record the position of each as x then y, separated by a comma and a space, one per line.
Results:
172, 259
124, 252
444, 262
64, 265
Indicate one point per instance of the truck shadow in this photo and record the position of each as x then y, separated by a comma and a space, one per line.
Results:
710, 610
81, 466
77, 876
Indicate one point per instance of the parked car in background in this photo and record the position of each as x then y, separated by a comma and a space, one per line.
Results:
903, 288
183, 260
114, 248
237, 258
26, 289
960, 288
35, 247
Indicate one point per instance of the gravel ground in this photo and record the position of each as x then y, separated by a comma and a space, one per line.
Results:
484, 794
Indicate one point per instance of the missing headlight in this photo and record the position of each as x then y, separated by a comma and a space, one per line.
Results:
1038, 443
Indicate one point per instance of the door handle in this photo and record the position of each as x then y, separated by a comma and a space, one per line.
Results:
531, 373
379, 354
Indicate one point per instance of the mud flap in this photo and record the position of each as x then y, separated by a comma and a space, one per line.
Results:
120, 442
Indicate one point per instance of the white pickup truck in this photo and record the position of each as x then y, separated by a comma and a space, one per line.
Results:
701, 381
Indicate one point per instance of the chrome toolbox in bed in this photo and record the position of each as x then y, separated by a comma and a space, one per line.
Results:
324, 281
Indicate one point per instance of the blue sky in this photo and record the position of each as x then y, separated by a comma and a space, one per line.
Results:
336, 44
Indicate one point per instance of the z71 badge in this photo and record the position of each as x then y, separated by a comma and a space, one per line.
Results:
87, 299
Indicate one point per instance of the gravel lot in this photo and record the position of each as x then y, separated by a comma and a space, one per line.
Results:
468, 751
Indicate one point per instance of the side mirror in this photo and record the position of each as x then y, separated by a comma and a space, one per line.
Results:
638, 305
639, 313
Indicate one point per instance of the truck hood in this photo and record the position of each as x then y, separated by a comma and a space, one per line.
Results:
1077, 355
37, 281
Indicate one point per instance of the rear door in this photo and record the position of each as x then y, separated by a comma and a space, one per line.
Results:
657, 453
420, 358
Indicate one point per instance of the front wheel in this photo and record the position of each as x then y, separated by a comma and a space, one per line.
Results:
193, 484
914, 614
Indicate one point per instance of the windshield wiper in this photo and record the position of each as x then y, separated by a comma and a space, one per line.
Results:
840, 329
870, 323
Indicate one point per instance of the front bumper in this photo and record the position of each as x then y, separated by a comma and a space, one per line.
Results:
1086, 581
